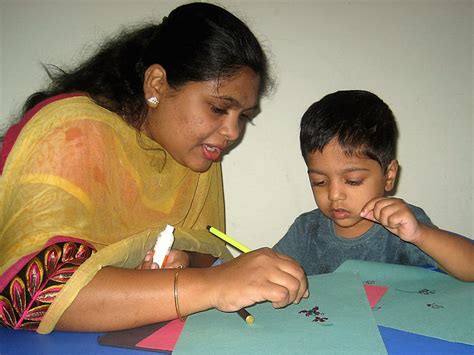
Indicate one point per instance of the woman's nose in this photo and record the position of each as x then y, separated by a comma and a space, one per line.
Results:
231, 127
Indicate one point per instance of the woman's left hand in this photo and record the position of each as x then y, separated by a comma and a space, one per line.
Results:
176, 259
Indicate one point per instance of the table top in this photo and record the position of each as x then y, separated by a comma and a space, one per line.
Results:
14, 342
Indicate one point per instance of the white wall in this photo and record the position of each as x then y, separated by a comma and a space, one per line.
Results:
416, 55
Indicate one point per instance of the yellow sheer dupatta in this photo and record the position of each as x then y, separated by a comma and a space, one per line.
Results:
77, 170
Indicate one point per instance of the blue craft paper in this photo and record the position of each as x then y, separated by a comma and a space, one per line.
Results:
419, 300
399, 342
350, 327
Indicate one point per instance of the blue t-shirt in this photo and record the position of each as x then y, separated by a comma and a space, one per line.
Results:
313, 243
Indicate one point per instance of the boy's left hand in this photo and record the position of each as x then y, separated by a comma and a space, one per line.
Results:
395, 215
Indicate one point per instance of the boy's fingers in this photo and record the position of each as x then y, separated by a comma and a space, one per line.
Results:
369, 207
373, 209
369, 215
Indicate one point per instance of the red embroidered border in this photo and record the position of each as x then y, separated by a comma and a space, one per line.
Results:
27, 297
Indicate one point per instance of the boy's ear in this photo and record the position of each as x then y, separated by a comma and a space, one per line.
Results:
391, 175
155, 82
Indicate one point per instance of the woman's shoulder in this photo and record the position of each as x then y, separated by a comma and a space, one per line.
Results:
64, 124
69, 114
70, 107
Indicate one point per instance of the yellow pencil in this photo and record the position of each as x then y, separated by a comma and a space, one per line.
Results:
243, 313
246, 316
240, 247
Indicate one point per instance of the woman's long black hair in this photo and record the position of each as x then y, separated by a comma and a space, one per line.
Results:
196, 42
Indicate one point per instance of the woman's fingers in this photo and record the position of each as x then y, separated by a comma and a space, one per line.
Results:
262, 275
294, 269
148, 261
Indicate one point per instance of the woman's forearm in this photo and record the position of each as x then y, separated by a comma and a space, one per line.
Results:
125, 298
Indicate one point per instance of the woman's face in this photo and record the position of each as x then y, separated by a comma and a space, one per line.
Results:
199, 121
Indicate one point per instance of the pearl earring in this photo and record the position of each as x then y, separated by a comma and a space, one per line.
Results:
153, 101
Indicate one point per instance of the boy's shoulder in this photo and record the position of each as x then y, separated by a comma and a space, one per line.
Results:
416, 209
420, 214
316, 213
310, 217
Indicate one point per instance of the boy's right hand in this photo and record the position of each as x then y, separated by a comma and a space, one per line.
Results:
395, 215
261, 275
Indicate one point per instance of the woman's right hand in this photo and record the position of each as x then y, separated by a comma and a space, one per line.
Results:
261, 275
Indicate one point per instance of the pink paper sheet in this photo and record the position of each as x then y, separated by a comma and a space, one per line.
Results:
164, 338
374, 293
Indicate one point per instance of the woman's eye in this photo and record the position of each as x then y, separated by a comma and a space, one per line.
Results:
246, 119
354, 182
218, 110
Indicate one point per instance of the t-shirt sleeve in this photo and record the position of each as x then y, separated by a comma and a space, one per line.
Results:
295, 243
288, 245
421, 216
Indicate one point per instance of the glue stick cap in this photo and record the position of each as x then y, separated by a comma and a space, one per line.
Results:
168, 229
163, 245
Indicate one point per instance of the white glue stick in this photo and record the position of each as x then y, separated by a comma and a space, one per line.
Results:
163, 246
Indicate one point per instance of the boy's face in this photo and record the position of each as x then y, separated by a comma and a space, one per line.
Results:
342, 185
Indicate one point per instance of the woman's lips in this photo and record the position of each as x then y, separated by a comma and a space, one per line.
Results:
211, 152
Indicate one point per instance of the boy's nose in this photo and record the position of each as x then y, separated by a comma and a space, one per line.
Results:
336, 192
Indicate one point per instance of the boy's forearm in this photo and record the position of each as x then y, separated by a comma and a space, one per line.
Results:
454, 254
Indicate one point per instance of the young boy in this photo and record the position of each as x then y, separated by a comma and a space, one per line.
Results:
348, 141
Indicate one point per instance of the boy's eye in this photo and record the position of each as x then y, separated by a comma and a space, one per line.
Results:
318, 183
354, 182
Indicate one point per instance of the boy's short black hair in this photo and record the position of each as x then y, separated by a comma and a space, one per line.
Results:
361, 122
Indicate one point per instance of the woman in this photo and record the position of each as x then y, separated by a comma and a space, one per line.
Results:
107, 156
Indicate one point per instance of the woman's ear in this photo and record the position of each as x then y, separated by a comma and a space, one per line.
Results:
391, 174
154, 82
